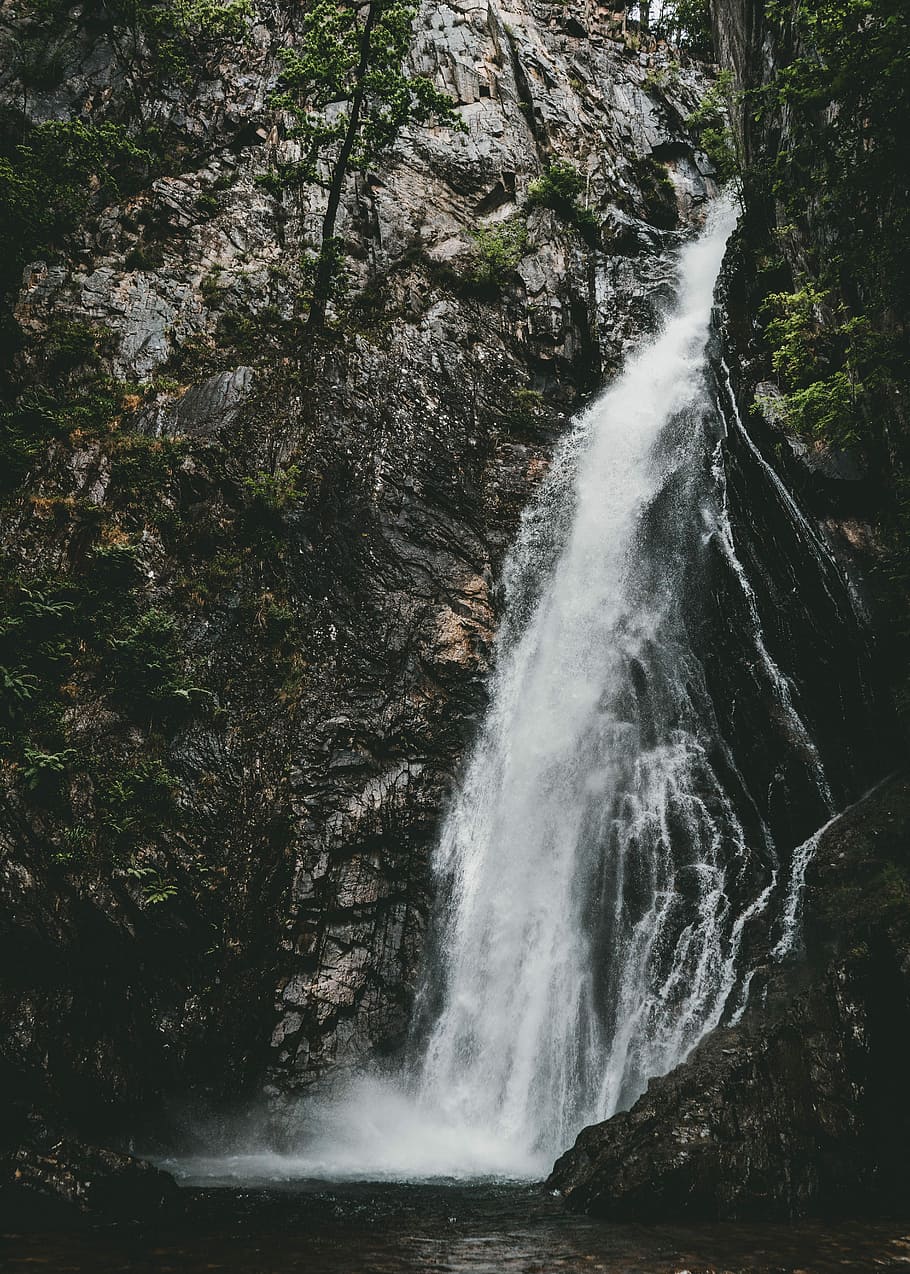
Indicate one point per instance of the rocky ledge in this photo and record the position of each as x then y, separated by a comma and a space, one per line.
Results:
802, 1107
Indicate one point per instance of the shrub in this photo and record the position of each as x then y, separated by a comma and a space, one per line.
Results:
826, 367
273, 492
147, 662
498, 250
560, 187
50, 181
710, 123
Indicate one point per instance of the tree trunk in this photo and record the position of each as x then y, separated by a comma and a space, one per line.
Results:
326, 264
644, 10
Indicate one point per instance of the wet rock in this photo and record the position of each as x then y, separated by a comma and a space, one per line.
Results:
71, 1180
802, 1107
341, 630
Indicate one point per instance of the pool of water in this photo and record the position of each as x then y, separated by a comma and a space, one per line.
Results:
315, 1228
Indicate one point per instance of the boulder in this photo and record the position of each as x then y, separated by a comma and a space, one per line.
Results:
72, 1180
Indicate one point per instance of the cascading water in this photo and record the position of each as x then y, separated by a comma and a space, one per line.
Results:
602, 864
591, 858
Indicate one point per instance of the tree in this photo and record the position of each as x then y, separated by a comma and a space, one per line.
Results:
845, 94
349, 96
692, 22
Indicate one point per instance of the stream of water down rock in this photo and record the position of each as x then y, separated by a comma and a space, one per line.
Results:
595, 878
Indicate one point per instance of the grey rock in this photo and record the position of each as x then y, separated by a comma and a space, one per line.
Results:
70, 1180
205, 410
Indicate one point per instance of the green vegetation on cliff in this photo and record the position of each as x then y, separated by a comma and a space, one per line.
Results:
839, 186
827, 187
353, 58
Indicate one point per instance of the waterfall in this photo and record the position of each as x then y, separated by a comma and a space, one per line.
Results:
602, 864
592, 854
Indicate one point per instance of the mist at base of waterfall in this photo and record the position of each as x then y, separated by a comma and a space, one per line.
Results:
372, 1129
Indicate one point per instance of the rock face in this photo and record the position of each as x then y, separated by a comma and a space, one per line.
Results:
251, 581
282, 561
852, 492
71, 1181
802, 1106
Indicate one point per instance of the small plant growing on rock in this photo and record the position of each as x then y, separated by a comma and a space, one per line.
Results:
661, 79
176, 38
156, 888
498, 250
207, 205
51, 180
827, 368
273, 492
560, 187
710, 123
42, 768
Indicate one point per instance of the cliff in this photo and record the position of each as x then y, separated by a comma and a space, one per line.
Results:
816, 313
249, 577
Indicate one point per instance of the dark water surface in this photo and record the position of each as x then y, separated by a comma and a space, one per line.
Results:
438, 1229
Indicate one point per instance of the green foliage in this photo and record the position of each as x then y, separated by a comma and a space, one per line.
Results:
42, 766
63, 170
37, 63
661, 79
74, 393
144, 256
330, 262
69, 345
498, 250
827, 367
71, 639
133, 802
148, 664
323, 74
155, 887
273, 492
74, 845
50, 181
690, 22
37, 644
207, 205
524, 412
348, 97
560, 187
142, 467
16, 688
846, 98
275, 180
176, 39
710, 123
253, 335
